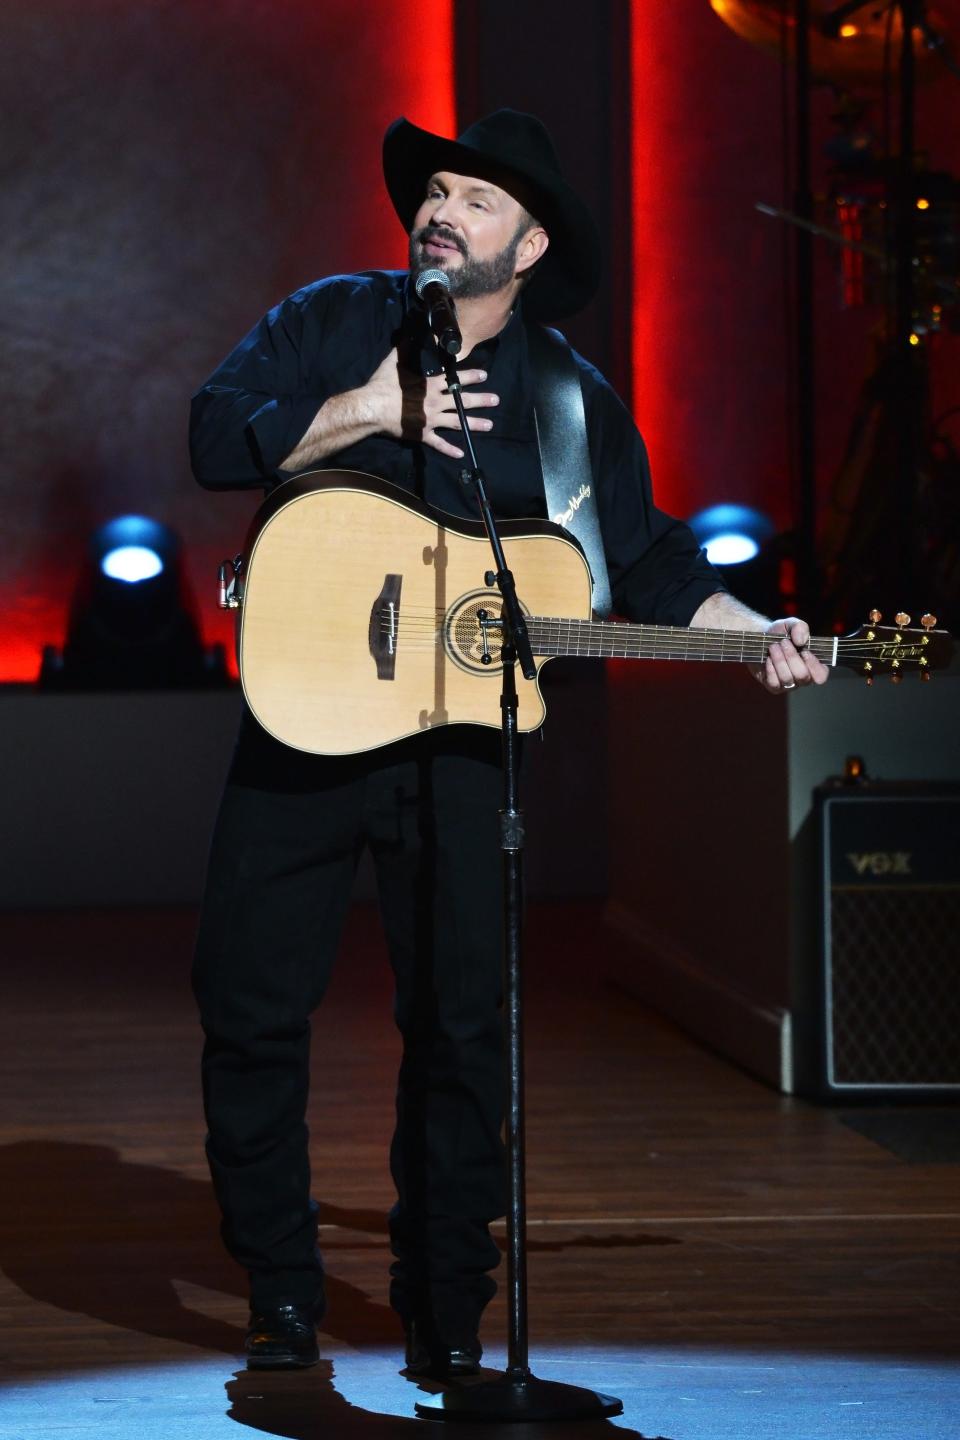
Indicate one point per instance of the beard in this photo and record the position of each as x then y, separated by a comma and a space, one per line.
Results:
473, 278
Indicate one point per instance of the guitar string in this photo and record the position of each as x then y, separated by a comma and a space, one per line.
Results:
744, 656
693, 635
671, 636
648, 647
623, 634
557, 635
437, 613
632, 653
598, 628
574, 636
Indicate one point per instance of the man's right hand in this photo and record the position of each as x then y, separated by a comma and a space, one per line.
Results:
395, 401
414, 407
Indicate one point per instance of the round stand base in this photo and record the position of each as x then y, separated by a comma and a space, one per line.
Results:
510, 1399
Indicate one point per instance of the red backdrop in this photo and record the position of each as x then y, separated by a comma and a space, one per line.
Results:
172, 171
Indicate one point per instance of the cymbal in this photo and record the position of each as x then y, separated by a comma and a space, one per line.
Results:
855, 57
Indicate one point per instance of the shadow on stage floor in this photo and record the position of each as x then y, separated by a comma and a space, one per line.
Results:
90, 1233
310, 1405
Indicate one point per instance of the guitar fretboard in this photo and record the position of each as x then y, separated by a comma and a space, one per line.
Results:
612, 639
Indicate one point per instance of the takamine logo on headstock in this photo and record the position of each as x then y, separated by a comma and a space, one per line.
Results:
877, 649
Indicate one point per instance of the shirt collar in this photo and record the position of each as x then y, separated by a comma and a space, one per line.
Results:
484, 351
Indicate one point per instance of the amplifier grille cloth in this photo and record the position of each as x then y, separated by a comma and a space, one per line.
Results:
895, 965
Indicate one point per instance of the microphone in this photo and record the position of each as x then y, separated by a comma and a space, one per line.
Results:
433, 288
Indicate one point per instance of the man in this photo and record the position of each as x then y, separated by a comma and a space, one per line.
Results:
344, 374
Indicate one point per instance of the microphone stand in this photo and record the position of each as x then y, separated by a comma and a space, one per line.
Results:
518, 1394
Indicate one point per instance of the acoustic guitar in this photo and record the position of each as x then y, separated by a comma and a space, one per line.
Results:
366, 617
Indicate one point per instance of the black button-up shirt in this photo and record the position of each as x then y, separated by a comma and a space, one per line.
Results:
330, 337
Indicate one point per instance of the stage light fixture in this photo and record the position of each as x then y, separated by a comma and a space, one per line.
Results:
132, 549
132, 622
131, 563
731, 534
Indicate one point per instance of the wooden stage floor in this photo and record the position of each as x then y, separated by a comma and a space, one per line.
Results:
730, 1263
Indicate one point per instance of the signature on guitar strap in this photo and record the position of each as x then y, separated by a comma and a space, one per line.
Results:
564, 453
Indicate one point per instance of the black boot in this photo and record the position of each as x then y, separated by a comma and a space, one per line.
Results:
283, 1337
430, 1354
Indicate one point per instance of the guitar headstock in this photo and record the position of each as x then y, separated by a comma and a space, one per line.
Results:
892, 650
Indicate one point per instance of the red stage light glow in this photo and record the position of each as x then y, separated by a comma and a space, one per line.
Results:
40, 621
322, 115
655, 215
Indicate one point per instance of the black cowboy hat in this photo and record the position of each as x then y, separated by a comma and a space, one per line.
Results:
514, 151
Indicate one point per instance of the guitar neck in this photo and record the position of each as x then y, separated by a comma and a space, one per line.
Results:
612, 639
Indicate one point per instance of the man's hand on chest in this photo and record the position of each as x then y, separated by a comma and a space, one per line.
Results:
414, 407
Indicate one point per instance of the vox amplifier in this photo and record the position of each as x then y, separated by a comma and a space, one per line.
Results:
883, 1013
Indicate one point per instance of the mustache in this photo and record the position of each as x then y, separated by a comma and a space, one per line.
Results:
436, 232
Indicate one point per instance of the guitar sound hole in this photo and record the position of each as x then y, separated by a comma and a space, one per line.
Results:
462, 634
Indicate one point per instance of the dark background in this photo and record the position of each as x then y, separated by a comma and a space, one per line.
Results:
170, 169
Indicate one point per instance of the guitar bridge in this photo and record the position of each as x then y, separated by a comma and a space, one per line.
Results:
384, 624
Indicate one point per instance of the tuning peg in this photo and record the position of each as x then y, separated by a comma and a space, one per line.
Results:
928, 621
902, 618
896, 677
874, 617
925, 675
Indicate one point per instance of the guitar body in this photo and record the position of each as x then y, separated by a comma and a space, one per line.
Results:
359, 618
362, 610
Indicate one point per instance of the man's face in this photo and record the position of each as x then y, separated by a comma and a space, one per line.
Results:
474, 231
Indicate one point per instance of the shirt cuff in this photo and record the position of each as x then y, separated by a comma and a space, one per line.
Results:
277, 428
678, 603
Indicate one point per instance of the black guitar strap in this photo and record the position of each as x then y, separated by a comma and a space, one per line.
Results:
564, 453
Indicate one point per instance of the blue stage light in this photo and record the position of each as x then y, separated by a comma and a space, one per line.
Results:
131, 563
132, 548
133, 622
731, 534
729, 548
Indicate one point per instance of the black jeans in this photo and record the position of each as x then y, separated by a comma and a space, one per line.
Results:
290, 831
